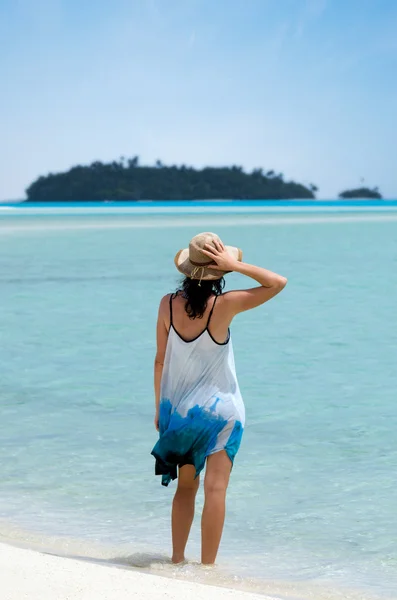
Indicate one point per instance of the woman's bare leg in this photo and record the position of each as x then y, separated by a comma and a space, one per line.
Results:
215, 485
183, 511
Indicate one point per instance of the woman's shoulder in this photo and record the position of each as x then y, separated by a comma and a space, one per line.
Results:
166, 300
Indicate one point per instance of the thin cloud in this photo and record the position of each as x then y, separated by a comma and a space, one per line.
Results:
42, 15
313, 10
153, 10
192, 39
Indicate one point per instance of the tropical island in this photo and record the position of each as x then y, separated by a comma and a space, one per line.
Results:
362, 192
127, 180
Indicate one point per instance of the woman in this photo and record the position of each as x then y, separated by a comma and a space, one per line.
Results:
199, 410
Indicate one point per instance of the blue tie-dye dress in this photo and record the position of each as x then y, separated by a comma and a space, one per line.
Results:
201, 408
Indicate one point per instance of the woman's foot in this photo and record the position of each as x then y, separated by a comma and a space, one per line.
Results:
177, 560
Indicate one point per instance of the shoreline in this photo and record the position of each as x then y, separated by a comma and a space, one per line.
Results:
37, 576
40, 573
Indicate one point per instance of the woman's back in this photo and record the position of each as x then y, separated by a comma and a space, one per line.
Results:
211, 320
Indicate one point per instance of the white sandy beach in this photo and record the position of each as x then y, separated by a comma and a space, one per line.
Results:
31, 575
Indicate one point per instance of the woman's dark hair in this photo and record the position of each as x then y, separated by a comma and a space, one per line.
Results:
197, 293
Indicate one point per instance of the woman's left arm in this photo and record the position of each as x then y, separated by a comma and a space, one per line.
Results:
162, 337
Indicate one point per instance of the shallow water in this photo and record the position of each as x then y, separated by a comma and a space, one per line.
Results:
312, 497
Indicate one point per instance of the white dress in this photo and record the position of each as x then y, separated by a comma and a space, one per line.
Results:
201, 408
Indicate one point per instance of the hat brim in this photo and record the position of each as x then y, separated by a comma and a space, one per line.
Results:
184, 265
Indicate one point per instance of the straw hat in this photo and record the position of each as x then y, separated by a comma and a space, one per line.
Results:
193, 263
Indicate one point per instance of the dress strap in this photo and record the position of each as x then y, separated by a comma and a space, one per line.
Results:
211, 311
171, 298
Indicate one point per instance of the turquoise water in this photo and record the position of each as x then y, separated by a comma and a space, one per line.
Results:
313, 493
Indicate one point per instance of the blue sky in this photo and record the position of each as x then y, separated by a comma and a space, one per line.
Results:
304, 87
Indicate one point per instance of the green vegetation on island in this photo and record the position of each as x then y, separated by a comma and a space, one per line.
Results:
362, 193
126, 179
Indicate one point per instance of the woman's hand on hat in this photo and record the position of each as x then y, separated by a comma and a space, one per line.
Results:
221, 257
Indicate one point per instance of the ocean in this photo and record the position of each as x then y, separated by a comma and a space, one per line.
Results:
313, 494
